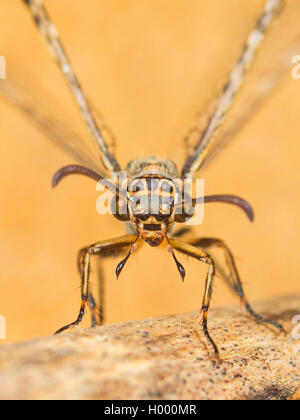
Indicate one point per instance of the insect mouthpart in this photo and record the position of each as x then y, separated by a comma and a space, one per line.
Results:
151, 229
154, 197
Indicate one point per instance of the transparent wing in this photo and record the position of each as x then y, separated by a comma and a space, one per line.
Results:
81, 149
50, 34
271, 67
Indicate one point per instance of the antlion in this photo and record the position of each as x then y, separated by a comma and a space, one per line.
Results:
152, 201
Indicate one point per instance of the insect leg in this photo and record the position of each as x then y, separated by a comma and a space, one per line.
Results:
101, 281
102, 248
181, 232
96, 314
202, 256
84, 293
234, 279
91, 299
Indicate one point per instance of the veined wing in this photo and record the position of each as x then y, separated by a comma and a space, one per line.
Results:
50, 34
245, 92
81, 149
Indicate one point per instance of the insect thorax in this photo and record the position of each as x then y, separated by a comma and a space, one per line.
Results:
152, 164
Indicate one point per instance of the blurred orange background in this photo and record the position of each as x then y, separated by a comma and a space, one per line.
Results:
149, 67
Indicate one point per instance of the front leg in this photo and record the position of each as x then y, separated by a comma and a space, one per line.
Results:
101, 248
95, 313
202, 256
234, 279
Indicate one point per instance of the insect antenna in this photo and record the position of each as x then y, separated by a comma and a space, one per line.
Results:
229, 199
82, 170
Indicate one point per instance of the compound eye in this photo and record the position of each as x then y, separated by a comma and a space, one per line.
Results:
138, 186
167, 187
120, 210
183, 214
165, 209
144, 217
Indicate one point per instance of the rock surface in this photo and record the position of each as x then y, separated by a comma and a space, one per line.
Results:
161, 358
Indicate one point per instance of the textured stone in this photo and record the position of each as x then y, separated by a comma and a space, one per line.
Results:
161, 358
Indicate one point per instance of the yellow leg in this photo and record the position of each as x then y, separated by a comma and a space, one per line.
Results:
234, 279
202, 256
105, 248
98, 311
